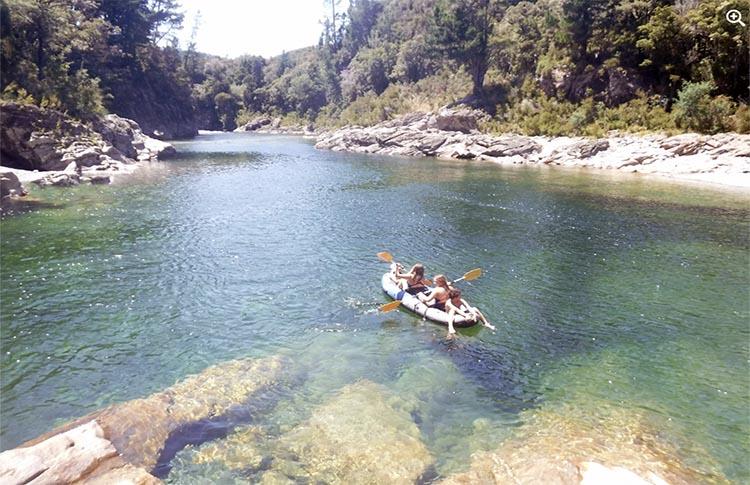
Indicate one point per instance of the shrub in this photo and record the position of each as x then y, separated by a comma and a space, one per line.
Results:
695, 109
741, 119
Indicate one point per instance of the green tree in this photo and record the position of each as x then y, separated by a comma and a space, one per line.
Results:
695, 109
462, 30
45, 46
227, 107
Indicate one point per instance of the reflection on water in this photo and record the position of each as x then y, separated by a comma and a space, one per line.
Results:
617, 291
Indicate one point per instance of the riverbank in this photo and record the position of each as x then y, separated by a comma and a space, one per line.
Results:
722, 159
46, 147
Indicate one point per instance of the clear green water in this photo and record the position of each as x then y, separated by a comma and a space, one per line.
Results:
608, 293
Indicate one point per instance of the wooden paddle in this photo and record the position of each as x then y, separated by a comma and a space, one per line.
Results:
385, 256
470, 276
389, 306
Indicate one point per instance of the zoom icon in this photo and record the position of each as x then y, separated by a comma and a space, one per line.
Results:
735, 17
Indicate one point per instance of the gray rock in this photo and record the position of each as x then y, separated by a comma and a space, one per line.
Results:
79, 455
588, 149
32, 138
463, 120
64, 458
10, 186
511, 145
59, 179
256, 123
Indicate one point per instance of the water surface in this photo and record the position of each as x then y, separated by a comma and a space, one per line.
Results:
608, 293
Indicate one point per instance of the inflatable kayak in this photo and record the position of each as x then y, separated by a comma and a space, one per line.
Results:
412, 303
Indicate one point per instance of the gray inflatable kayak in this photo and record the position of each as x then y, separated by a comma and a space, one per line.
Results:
412, 303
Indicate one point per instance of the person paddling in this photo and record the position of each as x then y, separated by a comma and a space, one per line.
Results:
411, 282
437, 297
456, 306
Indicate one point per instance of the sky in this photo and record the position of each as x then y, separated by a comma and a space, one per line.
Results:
231, 28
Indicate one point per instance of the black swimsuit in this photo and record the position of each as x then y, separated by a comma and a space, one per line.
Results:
439, 306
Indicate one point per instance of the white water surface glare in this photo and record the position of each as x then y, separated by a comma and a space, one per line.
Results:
619, 302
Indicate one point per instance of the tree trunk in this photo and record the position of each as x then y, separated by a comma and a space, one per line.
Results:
478, 70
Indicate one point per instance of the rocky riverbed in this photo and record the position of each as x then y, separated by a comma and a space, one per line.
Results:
721, 159
46, 147
122, 443
363, 433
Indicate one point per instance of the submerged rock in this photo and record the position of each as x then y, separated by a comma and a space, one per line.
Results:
556, 448
139, 429
362, 435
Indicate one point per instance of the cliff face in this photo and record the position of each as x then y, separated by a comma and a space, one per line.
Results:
157, 98
159, 119
33, 138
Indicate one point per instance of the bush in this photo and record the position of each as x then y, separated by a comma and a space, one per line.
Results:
542, 115
428, 94
741, 119
695, 109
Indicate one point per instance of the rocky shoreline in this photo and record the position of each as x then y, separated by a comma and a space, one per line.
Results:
46, 147
453, 134
267, 125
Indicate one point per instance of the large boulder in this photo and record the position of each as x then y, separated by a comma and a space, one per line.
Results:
139, 429
10, 186
463, 120
79, 455
362, 435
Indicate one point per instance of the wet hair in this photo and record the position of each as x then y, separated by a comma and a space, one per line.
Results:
454, 293
439, 277
418, 269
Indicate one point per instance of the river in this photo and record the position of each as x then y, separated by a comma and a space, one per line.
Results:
610, 294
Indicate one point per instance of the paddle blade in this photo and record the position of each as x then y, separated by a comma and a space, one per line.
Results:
427, 282
385, 256
390, 306
473, 274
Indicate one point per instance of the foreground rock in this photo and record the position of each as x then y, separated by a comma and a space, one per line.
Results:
81, 454
68, 151
10, 185
566, 449
135, 432
722, 158
360, 436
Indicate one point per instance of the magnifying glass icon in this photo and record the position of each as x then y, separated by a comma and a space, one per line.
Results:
735, 17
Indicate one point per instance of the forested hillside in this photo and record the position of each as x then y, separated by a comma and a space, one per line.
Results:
538, 67
92, 56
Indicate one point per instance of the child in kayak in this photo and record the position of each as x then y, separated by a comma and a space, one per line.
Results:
456, 306
411, 282
437, 297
